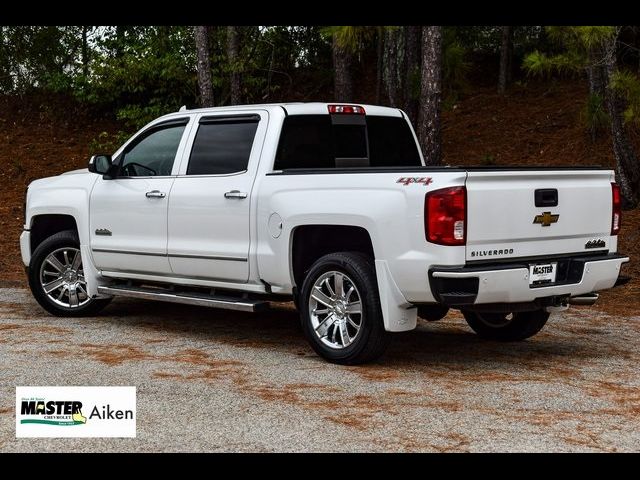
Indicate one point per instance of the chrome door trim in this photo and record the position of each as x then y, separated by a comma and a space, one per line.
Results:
171, 255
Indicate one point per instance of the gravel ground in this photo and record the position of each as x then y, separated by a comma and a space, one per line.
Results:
212, 380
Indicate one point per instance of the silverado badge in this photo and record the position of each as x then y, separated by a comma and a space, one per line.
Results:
546, 219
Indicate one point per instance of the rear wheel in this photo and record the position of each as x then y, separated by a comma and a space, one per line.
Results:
506, 327
340, 309
56, 277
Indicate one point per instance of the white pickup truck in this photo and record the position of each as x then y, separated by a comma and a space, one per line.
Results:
328, 205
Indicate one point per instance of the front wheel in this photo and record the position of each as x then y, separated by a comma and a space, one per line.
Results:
340, 309
56, 277
506, 327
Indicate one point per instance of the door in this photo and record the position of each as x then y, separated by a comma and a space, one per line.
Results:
209, 208
128, 214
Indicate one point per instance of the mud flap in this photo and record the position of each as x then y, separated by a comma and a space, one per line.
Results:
91, 275
398, 314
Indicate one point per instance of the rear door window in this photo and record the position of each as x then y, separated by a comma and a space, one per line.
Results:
222, 145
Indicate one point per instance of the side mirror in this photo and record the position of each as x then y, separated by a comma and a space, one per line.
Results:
100, 164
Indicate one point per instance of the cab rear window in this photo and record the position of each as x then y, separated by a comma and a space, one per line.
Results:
320, 141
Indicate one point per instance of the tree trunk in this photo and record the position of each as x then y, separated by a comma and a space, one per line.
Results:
380, 63
429, 123
506, 55
413, 36
205, 86
343, 81
232, 56
598, 79
597, 72
85, 52
6, 82
393, 60
627, 167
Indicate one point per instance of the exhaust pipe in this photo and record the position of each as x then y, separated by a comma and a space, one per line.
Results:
586, 299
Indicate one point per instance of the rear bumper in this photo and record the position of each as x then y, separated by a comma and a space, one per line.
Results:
509, 283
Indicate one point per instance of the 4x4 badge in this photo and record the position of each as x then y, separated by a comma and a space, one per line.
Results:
546, 218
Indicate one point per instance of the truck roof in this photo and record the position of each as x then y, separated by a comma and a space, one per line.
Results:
299, 108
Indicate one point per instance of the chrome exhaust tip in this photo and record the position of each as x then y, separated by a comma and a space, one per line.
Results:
586, 299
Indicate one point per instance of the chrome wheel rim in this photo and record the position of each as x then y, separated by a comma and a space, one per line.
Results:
62, 278
496, 320
335, 309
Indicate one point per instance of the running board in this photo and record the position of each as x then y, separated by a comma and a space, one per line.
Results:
217, 301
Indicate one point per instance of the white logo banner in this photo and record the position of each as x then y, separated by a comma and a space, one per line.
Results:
58, 412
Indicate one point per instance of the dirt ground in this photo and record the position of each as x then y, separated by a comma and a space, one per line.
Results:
211, 380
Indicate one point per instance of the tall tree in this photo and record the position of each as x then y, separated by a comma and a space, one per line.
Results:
201, 34
342, 65
506, 59
627, 167
413, 35
393, 62
429, 123
379, 62
594, 49
85, 51
233, 57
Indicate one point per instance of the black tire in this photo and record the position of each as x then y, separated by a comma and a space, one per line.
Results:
371, 340
497, 326
67, 238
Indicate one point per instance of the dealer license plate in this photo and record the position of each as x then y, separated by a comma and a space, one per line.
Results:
542, 273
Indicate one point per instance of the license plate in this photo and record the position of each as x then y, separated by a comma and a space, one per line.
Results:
542, 273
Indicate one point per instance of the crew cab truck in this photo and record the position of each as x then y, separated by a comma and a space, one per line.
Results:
331, 206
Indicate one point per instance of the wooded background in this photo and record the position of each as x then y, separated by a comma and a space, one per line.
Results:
136, 73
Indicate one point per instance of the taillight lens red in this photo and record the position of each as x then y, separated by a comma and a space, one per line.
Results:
616, 212
445, 216
348, 109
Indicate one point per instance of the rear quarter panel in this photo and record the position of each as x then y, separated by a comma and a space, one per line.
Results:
391, 212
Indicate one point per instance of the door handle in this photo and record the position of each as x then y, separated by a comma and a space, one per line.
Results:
155, 194
235, 194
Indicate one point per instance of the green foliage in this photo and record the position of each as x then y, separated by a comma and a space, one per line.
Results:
352, 38
543, 65
487, 39
575, 43
628, 85
106, 143
143, 72
488, 159
580, 37
455, 67
594, 115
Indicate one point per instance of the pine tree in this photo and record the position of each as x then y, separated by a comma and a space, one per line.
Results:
205, 85
429, 123
232, 57
506, 59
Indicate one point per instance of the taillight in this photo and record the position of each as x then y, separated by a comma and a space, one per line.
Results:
616, 212
445, 216
349, 109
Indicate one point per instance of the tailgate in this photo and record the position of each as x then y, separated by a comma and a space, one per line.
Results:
503, 220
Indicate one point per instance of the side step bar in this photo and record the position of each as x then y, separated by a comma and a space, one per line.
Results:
217, 301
